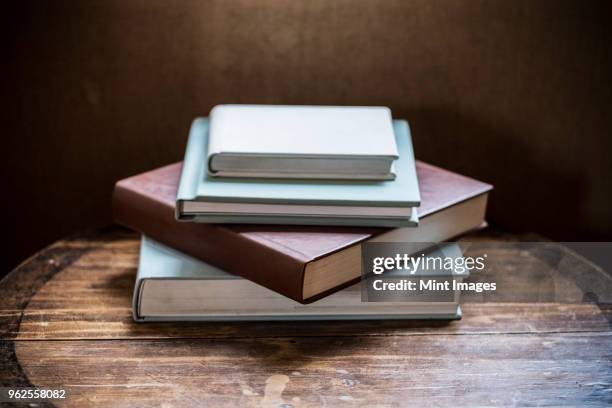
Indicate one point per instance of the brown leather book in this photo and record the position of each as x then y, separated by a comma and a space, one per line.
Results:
303, 263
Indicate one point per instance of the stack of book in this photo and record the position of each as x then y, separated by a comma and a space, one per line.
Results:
265, 217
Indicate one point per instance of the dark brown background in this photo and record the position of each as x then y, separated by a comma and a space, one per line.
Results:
515, 93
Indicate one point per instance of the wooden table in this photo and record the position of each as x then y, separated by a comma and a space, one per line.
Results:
66, 321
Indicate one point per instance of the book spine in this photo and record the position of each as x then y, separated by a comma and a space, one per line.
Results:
216, 244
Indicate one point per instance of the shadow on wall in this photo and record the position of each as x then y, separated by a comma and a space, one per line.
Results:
529, 195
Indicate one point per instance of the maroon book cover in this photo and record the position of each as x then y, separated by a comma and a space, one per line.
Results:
271, 255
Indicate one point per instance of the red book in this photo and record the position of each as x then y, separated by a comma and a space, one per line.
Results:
303, 263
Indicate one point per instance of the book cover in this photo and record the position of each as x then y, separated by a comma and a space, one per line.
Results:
277, 256
172, 286
197, 186
286, 141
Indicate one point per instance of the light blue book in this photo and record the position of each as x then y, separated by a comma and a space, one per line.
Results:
304, 142
204, 198
172, 286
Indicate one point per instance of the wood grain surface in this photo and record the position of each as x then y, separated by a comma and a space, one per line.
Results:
65, 320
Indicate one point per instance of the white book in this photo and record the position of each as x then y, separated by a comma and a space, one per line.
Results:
172, 286
304, 142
